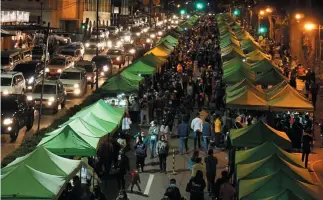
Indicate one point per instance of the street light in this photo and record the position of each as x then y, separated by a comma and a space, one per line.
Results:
178, 5
261, 12
310, 26
299, 16
268, 10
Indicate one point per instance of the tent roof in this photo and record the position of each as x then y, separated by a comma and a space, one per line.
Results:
246, 99
102, 111
287, 98
24, 182
265, 150
231, 52
245, 83
234, 63
237, 74
276, 183
140, 67
119, 84
249, 44
44, 161
260, 133
152, 60
270, 165
67, 141
271, 77
131, 77
264, 65
158, 51
256, 56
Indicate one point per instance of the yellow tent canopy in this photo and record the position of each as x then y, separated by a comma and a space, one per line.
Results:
157, 51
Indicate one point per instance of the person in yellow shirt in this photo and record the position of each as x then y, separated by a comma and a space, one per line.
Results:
179, 68
198, 166
217, 129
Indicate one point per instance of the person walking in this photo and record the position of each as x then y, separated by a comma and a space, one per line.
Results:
307, 144
211, 163
172, 192
135, 180
219, 182
217, 130
227, 191
162, 152
153, 135
183, 132
192, 161
198, 166
314, 89
124, 167
126, 122
141, 154
196, 125
206, 133
97, 195
196, 186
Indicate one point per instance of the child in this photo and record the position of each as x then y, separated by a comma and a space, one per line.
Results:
135, 179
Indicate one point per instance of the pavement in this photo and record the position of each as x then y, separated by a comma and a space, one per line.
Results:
7, 147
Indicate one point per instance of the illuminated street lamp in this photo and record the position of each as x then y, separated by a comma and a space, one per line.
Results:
309, 26
298, 16
268, 10
178, 5
261, 12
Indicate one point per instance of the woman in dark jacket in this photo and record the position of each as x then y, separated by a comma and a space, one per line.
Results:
196, 186
297, 133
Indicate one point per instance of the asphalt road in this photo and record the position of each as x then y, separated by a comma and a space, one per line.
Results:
8, 147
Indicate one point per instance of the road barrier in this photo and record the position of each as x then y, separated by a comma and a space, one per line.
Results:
174, 173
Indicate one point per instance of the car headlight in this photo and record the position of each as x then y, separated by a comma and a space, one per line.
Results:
152, 35
77, 91
89, 78
7, 121
132, 51
98, 45
119, 43
127, 38
137, 34
160, 33
59, 70
6, 92
29, 98
76, 85
31, 80
51, 99
148, 40
105, 68
87, 44
46, 70
118, 58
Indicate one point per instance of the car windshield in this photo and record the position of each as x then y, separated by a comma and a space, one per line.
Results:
70, 75
5, 81
68, 53
88, 68
8, 104
114, 52
4, 60
57, 61
25, 68
48, 89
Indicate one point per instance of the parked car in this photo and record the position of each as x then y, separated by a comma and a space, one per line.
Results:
32, 71
93, 43
74, 81
9, 59
16, 113
57, 64
117, 56
12, 83
38, 53
90, 68
53, 96
103, 64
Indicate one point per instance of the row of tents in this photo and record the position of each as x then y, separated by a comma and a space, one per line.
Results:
43, 174
245, 72
265, 170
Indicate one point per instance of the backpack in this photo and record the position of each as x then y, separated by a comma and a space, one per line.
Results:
141, 150
163, 148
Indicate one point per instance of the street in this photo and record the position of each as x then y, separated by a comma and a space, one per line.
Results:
8, 147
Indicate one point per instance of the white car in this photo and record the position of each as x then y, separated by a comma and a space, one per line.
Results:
12, 83
58, 64
74, 81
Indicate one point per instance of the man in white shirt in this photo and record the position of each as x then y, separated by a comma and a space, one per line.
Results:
196, 125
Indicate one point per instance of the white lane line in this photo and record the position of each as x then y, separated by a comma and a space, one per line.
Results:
150, 181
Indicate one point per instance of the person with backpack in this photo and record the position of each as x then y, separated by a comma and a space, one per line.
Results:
141, 153
211, 163
162, 152
172, 192
196, 186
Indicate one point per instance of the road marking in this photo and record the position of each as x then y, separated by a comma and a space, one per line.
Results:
316, 176
150, 181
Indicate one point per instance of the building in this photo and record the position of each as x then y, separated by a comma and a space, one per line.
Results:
66, 15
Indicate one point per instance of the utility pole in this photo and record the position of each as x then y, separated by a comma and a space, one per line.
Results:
97, 42
42, 81
150, 11
41, 13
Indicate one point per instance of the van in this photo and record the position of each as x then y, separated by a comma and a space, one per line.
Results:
74, 53
9, 59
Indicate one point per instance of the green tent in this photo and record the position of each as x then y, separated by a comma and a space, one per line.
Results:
119, 84
24, 182
271, 77
249, 85
132, 77
102, 111
263, 151
152, 60
271, 165
140, 67
260, 133
167, 45
163, 47
250, 45
243, 98
237, 74
264, 65
66, 141
231, 52
229, 41
256, 56
169, 39
44, 161
235, 63
268, 186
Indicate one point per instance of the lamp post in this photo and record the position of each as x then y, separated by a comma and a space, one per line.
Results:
309, 27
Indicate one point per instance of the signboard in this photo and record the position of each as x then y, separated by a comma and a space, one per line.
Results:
14, 16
